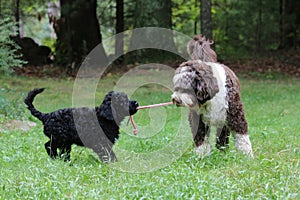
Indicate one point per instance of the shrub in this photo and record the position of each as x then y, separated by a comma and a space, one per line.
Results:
8, 48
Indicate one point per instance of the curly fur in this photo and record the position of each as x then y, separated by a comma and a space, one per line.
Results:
84, 126
212, 92
199, 48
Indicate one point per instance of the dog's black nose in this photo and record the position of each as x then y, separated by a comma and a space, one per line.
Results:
133, 107
176, 101
135, 103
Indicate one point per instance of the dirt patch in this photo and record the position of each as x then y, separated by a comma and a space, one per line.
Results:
287, 63
284, 62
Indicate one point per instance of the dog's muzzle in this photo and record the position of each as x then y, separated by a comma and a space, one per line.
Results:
176, 101
183, 100
133, 107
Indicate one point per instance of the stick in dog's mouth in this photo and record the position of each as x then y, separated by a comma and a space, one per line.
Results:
155, 105
135, 130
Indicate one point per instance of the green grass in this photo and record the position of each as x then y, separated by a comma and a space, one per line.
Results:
174, 172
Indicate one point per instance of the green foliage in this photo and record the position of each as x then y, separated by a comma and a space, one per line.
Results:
186, 16
242, 27
11, 108
272, 109
106, 12
34, 19
8, 49
152, 13
40, 30
7, 8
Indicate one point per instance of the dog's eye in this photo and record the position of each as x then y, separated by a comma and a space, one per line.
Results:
176, 89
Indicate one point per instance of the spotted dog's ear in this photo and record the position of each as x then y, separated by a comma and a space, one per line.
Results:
205, 86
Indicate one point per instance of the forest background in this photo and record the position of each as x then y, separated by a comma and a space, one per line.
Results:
240, 29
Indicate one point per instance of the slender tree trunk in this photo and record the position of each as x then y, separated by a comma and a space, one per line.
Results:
259, 26
206, 19
196, 20
281, 29
17, 17
119, 45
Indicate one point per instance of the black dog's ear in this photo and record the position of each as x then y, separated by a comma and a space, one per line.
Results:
106, 110
205, 87
108, 97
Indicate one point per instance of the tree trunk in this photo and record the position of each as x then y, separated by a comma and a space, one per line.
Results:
17, 17
281, 29
119, 45
196, 20
77, 30
259, 26
206, 19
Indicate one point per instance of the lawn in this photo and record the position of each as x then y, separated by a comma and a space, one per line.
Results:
158, 163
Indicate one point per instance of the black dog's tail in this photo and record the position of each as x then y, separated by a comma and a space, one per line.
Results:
28, 101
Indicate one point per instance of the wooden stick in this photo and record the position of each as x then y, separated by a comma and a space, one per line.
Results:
135, 131
154, 105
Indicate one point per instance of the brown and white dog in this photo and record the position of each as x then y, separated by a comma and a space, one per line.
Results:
212, 93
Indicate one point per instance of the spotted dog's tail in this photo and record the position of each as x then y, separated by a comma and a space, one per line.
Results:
28, 101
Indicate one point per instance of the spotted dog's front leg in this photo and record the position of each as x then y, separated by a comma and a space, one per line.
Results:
238, 125
222, 140
242, 143
200, 134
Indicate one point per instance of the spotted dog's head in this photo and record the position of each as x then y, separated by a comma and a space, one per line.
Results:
194, 84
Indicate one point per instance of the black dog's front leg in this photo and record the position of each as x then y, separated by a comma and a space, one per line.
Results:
105, 153
51, 149
65, 153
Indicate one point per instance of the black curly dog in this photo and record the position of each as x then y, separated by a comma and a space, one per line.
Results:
96, 128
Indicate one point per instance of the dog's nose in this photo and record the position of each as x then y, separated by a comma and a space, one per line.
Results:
133, 107
176, 101
135, 103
